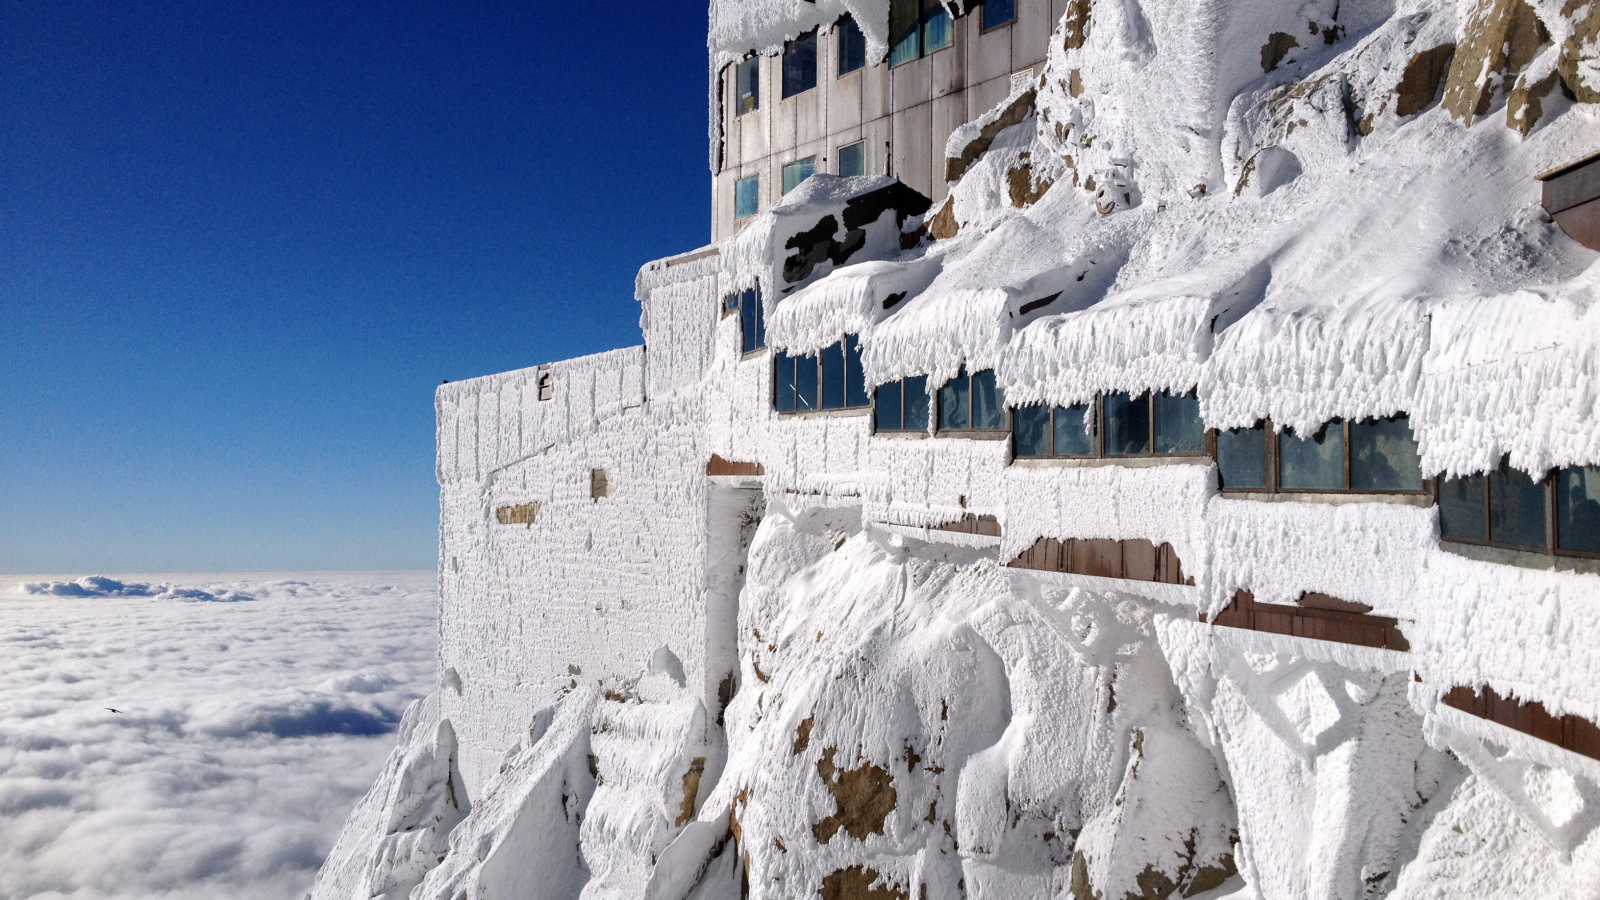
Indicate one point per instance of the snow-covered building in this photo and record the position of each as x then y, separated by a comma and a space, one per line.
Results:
1184, 480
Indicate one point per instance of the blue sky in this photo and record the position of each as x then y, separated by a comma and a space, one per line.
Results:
241, 244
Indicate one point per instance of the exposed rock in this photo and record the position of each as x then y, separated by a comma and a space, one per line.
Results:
1499, 37
943, 225
1419, 84
865, 796
691, 789
1023, 188
856, 883
1580, 52
1075, 24
1278, 45
1526, 103
1018, 109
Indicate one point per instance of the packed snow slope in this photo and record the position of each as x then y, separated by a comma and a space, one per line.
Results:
663, 682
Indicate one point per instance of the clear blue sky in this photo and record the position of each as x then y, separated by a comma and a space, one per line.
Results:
242, 243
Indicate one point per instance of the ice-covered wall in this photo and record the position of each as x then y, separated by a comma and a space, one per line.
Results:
666, 682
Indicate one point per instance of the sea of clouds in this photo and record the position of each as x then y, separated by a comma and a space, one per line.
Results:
251, 714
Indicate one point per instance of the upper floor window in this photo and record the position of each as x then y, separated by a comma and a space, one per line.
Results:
998, 12
1373, 456
1113, 424
800, 64
972, 403
1507, 507
798, 171
747, 197
752, 320
918, 28
901, 405
831, 379
852, 46
747, 86
853, 159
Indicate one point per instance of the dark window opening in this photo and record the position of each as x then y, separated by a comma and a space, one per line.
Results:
902, 405
831, 379
1375, 456
1046, 431
998, 12
752, 321
1578, 509
800, 64
972, 403
1113, 425
852, 46
547, 386
853, 159
1505, 507
918, 28
747, 86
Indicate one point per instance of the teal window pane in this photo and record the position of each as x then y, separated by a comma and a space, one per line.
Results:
905, 30
852, 46
988, 402
916, 403
955, 404
1315, 463
937, 31
1383, 455
855, 387
1031, 428
833, 376
1177, 423
886, 407
747, 197
1516, 508
1461, 508
1072, 431
798, 171
1242, 457
1578, 509
853, 159
1127, 424
747, 86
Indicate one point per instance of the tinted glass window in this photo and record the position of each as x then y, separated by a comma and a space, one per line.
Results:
916, 403
905, 30
750, 315
1383, 456
937, 32
1031, 426
1516, 508
1071, 431
853, 159
798, 171
833, 377
1242, 457
1127, 424
747, 197
988, 401
783, 382
1315, 463
805, 383
1578, 509
800, 64
852, 46
1461, 508
855, 391
955, 403
1177, 425
886, 414
747, 86
998, 12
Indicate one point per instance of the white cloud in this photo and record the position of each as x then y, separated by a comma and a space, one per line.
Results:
246, 731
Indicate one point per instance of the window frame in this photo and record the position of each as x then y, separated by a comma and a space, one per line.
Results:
812, 37
936, 408
1551, 518
902, 431
838, 156
734, 305
1274, 470
843, 344
753, 62
1097, 435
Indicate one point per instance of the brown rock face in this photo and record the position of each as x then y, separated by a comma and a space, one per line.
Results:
1419, 84
865, 797
1583, 46
943, 225
1526, 103
1075, 24
1278, 45
1018, 110
855, 883
1500, 37
1024, 190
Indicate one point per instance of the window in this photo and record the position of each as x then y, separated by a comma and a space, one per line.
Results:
998, 12
799, 64
798, 171
1370, 456
853, 159
1162, 424
972, 403
747, 197
1506, 507
831, 379
852, 46
547, 385
917, 28
1044, 431
752, 319
747, 86
902, 405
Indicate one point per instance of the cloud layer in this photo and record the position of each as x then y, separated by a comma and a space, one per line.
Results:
242, 734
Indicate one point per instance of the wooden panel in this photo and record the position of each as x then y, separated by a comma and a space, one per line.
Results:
1098, 557
1139, 560
1582, 223
1570, 732
719, 466
1338, 626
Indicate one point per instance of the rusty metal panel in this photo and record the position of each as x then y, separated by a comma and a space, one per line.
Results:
1139, 560
1581, 736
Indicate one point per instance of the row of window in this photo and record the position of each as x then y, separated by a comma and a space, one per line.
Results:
917, 27
852, 159
1371, 455
831, 379
1506, 507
